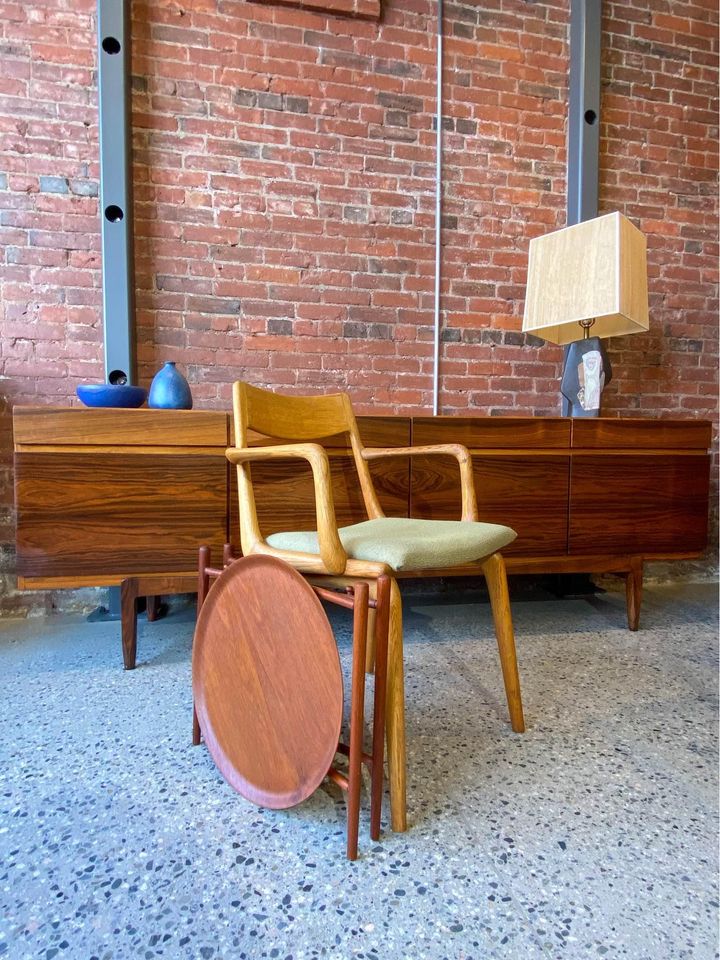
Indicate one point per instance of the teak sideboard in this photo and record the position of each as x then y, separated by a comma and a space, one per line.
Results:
104, 495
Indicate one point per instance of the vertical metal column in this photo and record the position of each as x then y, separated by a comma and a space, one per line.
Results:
116, 210
584, 111
583, 155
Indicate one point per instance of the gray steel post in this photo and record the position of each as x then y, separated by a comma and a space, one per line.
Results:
584, 111
116, 202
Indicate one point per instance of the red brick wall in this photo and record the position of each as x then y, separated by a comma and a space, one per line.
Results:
284, 180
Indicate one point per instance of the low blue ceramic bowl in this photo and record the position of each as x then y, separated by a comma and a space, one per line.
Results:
111, 395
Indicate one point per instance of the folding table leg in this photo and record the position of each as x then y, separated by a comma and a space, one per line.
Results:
204, 557
382, 624
357, 716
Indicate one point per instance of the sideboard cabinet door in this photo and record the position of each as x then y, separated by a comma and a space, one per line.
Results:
639, 487
104, 494
521, 468
284, 491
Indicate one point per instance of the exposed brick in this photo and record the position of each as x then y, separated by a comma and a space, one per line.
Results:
53, 184
280, 326
395, 101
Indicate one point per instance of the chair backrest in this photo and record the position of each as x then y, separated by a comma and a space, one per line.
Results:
289, 418
299, 420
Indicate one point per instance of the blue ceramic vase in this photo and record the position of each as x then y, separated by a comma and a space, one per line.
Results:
170, 390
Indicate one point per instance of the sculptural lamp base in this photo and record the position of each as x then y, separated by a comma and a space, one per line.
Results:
586, 373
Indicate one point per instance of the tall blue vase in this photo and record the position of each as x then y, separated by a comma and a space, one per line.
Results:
169, 389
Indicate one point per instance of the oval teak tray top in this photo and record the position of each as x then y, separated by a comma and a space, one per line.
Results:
267, 682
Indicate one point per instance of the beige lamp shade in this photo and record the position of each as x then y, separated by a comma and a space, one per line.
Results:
595, 270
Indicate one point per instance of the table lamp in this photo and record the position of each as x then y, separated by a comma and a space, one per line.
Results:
588, 278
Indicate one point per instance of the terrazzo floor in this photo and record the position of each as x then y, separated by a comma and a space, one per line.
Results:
594, 834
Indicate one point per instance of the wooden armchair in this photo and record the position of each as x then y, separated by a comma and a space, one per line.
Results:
394, 546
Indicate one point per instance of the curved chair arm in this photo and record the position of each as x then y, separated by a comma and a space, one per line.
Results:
332, 551
457, 450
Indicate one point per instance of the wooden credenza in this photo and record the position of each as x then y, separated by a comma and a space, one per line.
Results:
103, 495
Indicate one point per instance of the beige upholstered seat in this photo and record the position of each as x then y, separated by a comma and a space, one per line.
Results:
406, 544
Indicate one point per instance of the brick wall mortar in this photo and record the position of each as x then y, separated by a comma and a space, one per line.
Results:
284, 200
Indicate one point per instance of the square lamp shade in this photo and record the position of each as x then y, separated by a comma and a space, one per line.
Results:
595, 270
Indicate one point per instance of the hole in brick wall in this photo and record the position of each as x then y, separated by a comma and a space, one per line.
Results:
590, 117
113, 213
111, 45
117, 378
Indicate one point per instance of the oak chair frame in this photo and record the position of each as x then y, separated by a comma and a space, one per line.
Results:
303, 420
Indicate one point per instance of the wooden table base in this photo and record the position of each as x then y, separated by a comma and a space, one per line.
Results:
355, 598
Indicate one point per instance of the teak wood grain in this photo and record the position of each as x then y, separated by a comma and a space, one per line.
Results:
267, 683
481, 433
641, 434
651, 505
116, 514
529, 495
285, 497
54, 426
531, 504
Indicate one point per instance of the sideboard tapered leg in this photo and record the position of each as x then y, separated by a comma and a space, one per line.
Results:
633, 592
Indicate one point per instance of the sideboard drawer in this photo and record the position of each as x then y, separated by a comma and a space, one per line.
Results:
640, 434
486, 433
114, 514
115, 427
640, 504
528, 494
285, 495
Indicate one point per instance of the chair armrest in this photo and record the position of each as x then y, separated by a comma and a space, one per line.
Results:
457, 450
332, 551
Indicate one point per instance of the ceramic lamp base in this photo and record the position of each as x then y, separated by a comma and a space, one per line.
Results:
586, 373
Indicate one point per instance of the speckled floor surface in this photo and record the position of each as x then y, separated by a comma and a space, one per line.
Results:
593, 835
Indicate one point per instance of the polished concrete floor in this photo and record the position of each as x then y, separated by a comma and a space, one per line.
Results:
595, 834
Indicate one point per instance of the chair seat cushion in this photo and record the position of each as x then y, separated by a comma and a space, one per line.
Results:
406, 544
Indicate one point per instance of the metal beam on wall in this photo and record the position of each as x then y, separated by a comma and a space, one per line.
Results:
116, 206
583, 160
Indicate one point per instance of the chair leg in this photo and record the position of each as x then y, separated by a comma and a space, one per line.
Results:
357, 717
382, 621
395, 714
494, 570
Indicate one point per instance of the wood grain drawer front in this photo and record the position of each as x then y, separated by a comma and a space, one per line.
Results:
285, 498
638, 504
641, 434
109, 514
530, 495
478, 433
78, 426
